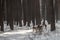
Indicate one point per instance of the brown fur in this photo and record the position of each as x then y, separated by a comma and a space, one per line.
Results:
37, 29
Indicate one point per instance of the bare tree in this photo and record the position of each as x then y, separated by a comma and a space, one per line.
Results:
9, 13
43, 10
37, 12
50, 14
56, 9
27, 11
2, 14
32, 11
19, 11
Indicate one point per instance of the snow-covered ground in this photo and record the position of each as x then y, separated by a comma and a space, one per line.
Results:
26, 33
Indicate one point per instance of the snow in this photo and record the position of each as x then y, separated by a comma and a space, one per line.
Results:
26, 33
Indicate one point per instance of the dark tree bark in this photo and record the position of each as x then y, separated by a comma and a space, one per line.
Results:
37, 11
10, 14
49, 10
2, 14
25, 11
33, 14
29, 11
34, 11
15, 11
58, 5
53, 18
50, 14
56, 10
5, 12
43, 10
8, 11
19, 11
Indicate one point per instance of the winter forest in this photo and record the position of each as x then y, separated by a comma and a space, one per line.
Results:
29, 19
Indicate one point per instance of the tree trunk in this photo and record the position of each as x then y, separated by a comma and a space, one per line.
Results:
19, 11
38, 16
8, 11
43, 10
49, 10
11, 15
2, 14
50, 14
33, 11
56, 10
25, 11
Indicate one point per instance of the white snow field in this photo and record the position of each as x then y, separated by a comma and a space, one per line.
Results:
26, 33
